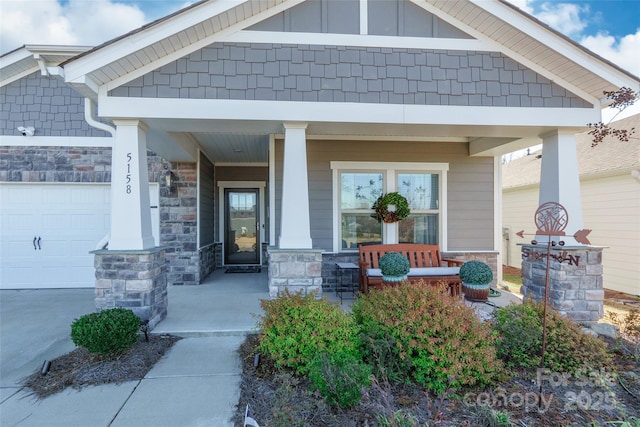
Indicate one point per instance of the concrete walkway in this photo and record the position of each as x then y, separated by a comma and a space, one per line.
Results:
195, 384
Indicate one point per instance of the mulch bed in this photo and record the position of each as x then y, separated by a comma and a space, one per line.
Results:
80, 368
279, 399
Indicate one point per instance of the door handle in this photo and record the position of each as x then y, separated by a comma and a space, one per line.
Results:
39, 238
35, 239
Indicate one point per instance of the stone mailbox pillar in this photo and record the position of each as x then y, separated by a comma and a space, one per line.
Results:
575, 279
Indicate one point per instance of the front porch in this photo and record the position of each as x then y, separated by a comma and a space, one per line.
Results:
229, 304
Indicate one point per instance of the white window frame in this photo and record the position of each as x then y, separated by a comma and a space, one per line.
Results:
389, 171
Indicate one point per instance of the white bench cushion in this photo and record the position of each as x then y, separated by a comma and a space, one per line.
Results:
434, 271
425, 271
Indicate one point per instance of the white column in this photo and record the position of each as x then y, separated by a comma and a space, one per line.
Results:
130, 213
295, 225
560, 179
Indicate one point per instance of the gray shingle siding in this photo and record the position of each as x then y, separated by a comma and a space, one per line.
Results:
47, 104
350, 74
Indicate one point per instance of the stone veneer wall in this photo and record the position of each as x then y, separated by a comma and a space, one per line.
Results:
329, 260
178, 208
207, 262
575, 285
297, 270
134, 280
178, 225
490, 258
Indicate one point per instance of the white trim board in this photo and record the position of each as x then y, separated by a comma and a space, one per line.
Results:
56, 141
344, 112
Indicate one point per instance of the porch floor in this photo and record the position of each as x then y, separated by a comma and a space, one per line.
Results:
229, 304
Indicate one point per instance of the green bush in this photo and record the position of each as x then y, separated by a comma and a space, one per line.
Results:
339, 377
296, 328
441, 339
568, 349
108, 332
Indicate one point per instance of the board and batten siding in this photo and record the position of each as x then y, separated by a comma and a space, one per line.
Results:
470, 186
610, 209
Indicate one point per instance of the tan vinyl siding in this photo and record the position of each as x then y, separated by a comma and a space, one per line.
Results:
518, 209
611, 209
206, 200
470, 185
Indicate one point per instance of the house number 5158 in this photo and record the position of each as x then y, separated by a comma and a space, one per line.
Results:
128, 173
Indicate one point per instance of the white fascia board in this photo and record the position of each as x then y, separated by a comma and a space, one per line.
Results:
134, 42
56, 141
13, 57
510, 53
85, 85
249, 36
343, 112
220, 36
557, 43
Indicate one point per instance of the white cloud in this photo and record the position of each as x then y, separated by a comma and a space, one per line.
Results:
564, 17
78, 22
624, 52
572, 19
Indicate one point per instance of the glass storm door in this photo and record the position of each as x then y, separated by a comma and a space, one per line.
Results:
242, 239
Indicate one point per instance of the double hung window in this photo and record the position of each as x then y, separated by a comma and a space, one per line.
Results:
359, 184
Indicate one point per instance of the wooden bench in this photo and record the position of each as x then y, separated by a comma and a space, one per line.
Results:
426, 264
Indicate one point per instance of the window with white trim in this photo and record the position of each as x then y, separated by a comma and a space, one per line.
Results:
357, 185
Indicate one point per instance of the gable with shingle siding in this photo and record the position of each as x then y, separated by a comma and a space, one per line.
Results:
351, 74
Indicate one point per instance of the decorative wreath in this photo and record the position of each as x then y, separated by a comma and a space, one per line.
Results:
381, 206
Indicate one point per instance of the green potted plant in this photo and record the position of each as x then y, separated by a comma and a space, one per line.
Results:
394, 267
476, 277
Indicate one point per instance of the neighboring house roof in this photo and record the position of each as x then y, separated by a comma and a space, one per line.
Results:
494, 24
611, 156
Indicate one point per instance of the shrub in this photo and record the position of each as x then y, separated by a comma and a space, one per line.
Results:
107, 332
394, 264
629, 327
568, 349
339, 377
443, 342
476, 272
296, 328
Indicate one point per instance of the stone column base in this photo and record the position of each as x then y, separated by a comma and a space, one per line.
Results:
132, 279
575, 280
297, 270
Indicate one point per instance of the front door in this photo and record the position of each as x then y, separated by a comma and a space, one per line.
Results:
242, 236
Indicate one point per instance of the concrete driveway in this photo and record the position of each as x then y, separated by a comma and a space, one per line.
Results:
35, 325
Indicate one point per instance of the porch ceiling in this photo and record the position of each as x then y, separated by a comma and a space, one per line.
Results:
228, 141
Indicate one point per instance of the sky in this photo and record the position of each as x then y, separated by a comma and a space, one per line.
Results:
610, 28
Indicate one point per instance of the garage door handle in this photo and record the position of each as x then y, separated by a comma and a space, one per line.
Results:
39, 248
35, 239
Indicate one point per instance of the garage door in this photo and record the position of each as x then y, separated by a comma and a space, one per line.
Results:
48, 230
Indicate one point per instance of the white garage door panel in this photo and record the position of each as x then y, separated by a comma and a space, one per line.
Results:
70, 220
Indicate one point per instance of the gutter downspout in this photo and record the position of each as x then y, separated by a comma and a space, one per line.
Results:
89, 108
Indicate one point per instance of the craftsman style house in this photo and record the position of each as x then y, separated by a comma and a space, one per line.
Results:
251, 132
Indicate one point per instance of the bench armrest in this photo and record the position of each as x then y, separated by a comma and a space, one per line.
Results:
452, 262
